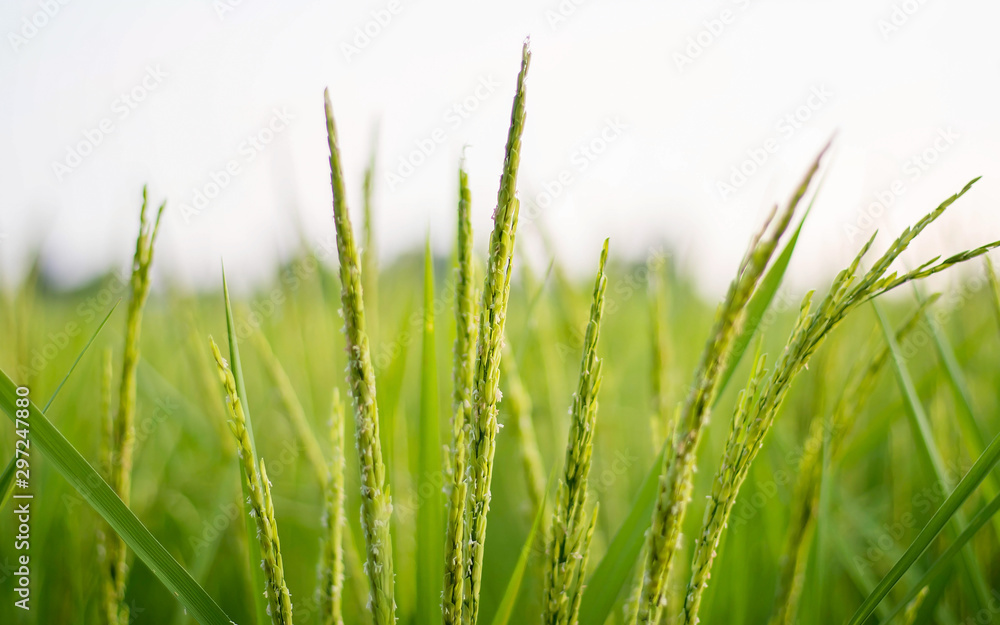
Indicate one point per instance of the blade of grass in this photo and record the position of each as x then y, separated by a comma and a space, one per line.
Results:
254, 555
78, 472
927, 445
430, 526
492, 320
7, 482
944, 560
80, 356
613, 571
761, 301
975, 440
982, 467
991, 274
509, 600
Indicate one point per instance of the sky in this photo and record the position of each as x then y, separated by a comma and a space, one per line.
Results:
668, 126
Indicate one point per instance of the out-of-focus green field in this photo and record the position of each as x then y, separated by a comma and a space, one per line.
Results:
186, 485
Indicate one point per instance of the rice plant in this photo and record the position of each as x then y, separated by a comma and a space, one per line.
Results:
572, 527
564, 545
120, 458
486, 377
376, 501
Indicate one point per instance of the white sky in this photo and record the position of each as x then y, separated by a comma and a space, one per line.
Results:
607, 67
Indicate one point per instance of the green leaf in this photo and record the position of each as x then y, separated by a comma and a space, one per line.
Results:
430, 525
941, 564
80, 356
7, 483
253, 547
509, 600
612, 572
945, 514
926, 444
78, 472
975, 440
762, 298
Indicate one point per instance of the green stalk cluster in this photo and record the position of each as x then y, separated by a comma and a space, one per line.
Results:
493, 316
569, 541
331, 569
847, 292
662, 422
123, 448
376, 503
732, 472
462, 379
519, 408
674, 491
261, 507
832, 431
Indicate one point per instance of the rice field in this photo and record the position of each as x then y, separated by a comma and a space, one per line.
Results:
464, 440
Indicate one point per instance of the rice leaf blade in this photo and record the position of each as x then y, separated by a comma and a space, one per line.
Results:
7, 482
78, 472
254, 555
80, 356
509, 600
980, 469
928, 446
430, 528
944, 560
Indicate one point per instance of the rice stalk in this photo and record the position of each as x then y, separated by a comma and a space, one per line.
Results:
991, 273
376, 503
493, 315
832, 431
675, 484
331, 569
847, 292
913, 608
107, 413
369, 253
732, 471
429, 502
261, 507
462, 380
569, 540
519, 407
116, 611
105, 539
662, 424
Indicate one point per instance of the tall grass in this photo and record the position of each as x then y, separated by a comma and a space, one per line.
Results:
492, 320
376, 503
461, 420
116, 611
674, 492
572, 527
443, 554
